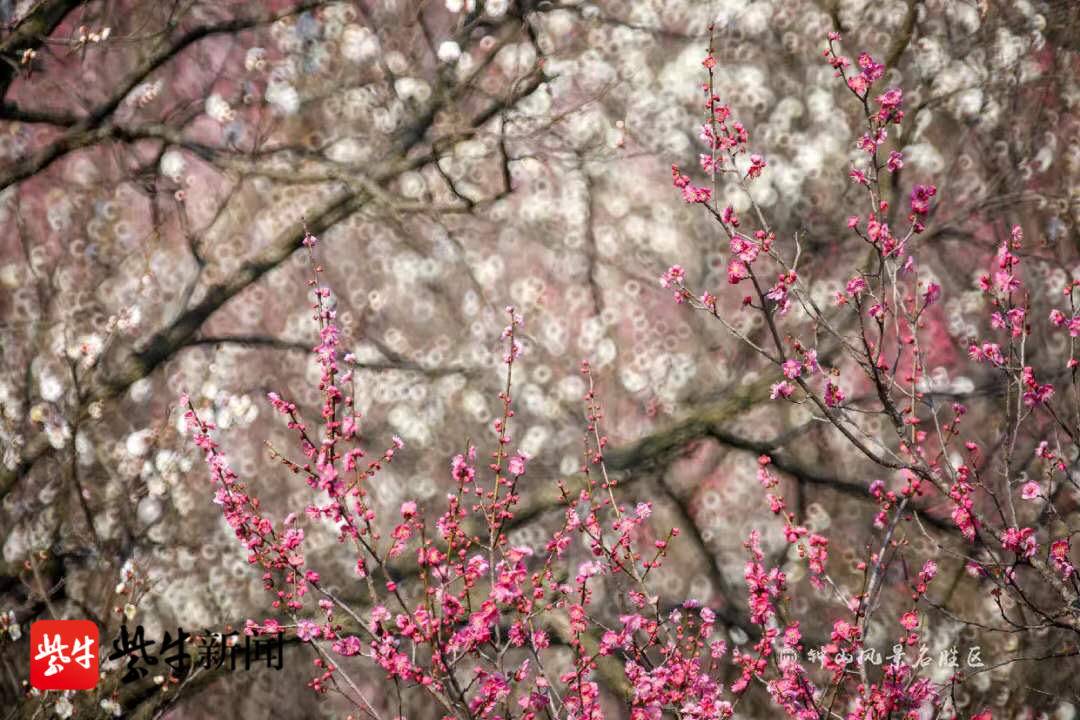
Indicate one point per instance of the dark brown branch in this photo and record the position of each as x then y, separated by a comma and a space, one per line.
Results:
164, 343
11, 111
904, 35
710, 422
29, 34
394, 363
93, 128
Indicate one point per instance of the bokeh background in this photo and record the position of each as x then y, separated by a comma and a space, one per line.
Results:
160, 160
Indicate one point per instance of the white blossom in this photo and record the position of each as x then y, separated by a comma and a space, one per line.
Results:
359, 44
63, 708
283, 97
50, 387
449, 51
217, 108
138, 442
173, 165
255, 59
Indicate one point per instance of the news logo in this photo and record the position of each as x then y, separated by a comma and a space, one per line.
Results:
63, 655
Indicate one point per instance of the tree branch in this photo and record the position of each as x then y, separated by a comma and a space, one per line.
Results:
29, 33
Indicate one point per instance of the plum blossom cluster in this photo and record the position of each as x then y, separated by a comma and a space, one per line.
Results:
474, 627
875, 338
725, 139
445, 606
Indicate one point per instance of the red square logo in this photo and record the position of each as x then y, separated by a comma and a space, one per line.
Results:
63, 654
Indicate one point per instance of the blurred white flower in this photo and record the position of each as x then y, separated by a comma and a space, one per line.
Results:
145, 93
87, 349
359, 44
217, 108
283, 97
148, 510
138, 442
412, 89
63, 708
50, 387
128, 319
449, 51
58, 434
173, 165
9, 275
255, 59
14, 630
